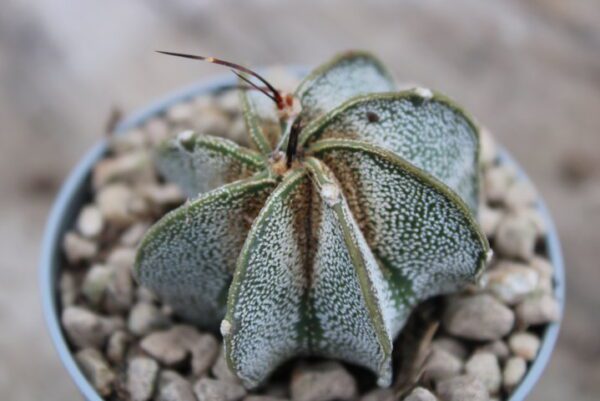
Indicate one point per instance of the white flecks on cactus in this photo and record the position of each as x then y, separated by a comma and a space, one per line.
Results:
199, 163
346, 76
434, 135
327, 248
188, 257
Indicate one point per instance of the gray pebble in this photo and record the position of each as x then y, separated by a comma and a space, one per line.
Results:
133, 235
462, 388
497, 181
165, 346
489, 219
119, 291
95, 282
215, 390
513, 372
322, 382
96, 369
116, 202
68, 289
173, 387
78, 249
86, 328
498, 348
516, 236
221, 370
156, 130
451, 345
511, 282
266, 398
538, 309
145, 318
441, 365
117, 346
142, 374
420, 394
132, 167
525, 345
204, 353
162, 194
485, 367
379, 394
477, 317
520, 195
90, 221
181, 112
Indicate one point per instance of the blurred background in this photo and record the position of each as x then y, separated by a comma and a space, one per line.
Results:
529, 70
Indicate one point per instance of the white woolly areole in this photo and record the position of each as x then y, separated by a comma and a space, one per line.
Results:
423, 92
225, 328
330, 194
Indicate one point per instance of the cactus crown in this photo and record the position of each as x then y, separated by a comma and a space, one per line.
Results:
326, 249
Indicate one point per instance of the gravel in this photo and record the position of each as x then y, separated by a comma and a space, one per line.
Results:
142, 374
325, 381
96, 369
513, 372
462, 388
212, 390
477, 317
526, 345
484, 366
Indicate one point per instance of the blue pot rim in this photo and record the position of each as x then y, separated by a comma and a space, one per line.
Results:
76, 185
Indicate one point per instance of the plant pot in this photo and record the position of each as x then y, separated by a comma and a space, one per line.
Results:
76, 190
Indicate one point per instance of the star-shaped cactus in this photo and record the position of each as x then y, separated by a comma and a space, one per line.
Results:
325, 249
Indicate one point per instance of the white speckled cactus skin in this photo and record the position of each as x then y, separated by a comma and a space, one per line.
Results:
329, 256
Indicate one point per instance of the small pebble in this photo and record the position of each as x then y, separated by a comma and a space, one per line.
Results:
462, 388
520, 195
134, 234
322, 382
145, 318
116, 203
489, 219
229, 102
221, 370
516, 236
165, 346
538, 309
268, 398
513, 373
117, 346
180, 112
162, 194
451, 345
441, 365
497, 180
122, 258
525, 345
207, 389
485, 367
87, 329
212, 122
95, 282
204, 354
477, 317
156, 130
96, 369
132, 140
78, 249
174, 387
142, 374
132, 167
68, 289
498, 348
379, 394
419, 394
511, 282
119, 291
90, 221
488, 149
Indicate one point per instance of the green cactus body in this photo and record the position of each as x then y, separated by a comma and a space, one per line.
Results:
329, 256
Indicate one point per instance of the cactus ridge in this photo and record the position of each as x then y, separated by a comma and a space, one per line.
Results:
326, 254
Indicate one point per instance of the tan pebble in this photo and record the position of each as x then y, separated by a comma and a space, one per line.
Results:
538, 309
516, 236
511, 282
525, 345
90, 221
513, 372
77, 248
96, 369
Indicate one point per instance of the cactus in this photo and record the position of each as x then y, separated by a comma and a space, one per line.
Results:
324, 249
